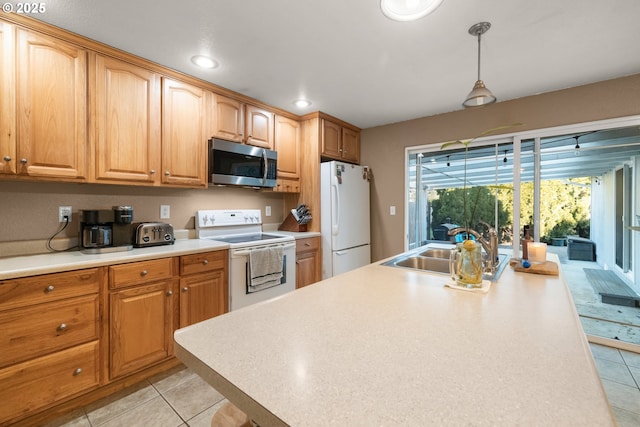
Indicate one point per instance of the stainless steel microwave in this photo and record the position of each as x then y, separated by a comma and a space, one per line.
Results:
232, 163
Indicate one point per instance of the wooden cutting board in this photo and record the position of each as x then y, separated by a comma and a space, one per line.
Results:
549, 268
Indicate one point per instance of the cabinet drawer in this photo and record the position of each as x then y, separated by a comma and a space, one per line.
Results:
48, 287
308, 244
207, 261
124, 275
40, 382
35, 331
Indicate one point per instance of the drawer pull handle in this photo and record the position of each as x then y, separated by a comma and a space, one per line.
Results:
49, 288
77, 372
169, 293
62, 327
205, 262
185, 289
307, 244
144, 272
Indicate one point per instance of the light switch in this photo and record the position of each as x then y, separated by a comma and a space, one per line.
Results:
392, 210
165, 211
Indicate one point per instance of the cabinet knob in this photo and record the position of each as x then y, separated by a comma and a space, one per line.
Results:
62, 327
205, 262
77, 372
169, 293
152, 171
307, 244
49, 288
23, 161
7, 158
185, 289
144, 272
167, 173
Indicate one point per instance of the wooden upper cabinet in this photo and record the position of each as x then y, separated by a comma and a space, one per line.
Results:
340, 142
126, 103
259, 126
51, 107
236, 121
185, 130
287, 144
7, 100
350, 145
331, 139
228, 118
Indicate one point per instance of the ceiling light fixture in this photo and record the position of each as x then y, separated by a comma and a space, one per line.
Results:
204, 61
479, 95
408, 10
302, 103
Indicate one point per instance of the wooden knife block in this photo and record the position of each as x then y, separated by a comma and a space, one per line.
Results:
290, 224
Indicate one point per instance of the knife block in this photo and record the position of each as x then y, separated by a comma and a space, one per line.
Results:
290, 224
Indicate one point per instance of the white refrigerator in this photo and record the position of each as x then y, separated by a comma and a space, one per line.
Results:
344, 219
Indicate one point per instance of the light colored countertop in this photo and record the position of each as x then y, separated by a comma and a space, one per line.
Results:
29, 265
389, 346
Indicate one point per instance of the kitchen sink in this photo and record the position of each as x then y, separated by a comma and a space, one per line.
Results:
436, 260
437, 253
439, 265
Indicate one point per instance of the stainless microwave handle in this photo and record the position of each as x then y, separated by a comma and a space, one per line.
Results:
266, 166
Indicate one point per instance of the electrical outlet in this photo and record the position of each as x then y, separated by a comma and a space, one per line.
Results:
392, 210
64, 211
267, 210
165, 211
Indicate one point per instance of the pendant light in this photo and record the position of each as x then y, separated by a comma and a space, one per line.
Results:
479, 95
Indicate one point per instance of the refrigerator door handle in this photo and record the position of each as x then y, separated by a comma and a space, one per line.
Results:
335, 226
340, 253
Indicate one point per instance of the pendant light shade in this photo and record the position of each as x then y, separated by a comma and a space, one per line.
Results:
479, 95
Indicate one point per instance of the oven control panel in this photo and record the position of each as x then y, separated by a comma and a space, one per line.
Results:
221, 218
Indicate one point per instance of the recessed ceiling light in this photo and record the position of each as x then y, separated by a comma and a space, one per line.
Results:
204, 61
302, 103
408, 10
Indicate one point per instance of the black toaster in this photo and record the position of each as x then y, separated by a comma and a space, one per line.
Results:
153, 234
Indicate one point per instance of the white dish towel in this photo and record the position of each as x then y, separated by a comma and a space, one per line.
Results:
265, 267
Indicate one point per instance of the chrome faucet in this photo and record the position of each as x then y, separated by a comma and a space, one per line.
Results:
490, 247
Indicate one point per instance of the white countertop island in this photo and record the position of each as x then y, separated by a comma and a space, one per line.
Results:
384, 346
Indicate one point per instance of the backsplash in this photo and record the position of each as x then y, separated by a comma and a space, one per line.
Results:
29, 210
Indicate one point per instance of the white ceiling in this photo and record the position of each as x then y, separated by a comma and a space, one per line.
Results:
354, 63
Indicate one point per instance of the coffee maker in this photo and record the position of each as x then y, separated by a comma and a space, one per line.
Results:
104, 230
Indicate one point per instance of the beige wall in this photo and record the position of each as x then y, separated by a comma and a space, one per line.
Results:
383, 147
29, 210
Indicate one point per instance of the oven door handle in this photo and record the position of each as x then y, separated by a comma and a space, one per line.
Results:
241, 253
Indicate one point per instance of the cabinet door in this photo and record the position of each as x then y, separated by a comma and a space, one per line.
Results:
259, 127
228, 118
7, 100
52, 107
350, 145
140, 327
127, 121
308, 263
202, 297
331, 139
287, 144
184, 133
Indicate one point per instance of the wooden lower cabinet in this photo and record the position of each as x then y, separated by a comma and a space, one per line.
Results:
204, 290
308, 261
50, 343
70, 336
38, 383
141, 327
202, 296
